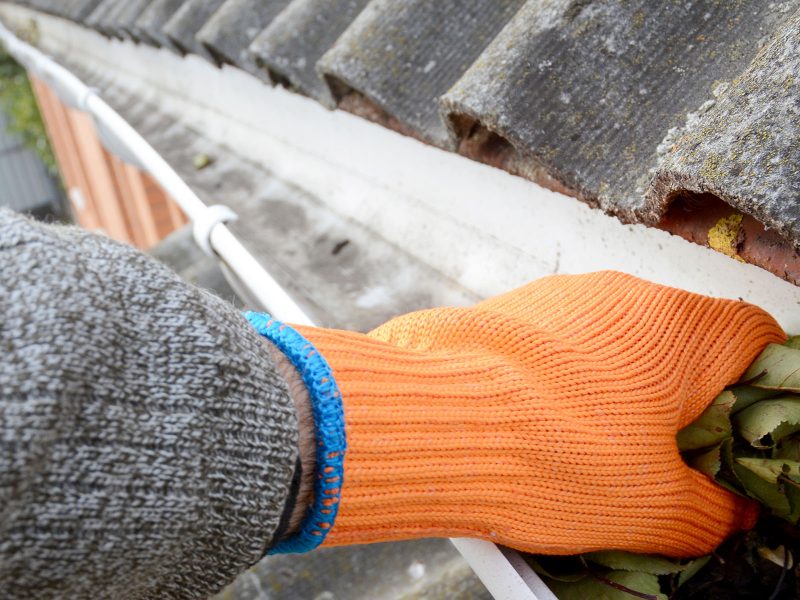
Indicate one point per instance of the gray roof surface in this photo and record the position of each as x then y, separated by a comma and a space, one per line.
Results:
230, 31
124, 24
599, 92
290, 47
150, 24
405, 55
187, 21
625, 104
746, 147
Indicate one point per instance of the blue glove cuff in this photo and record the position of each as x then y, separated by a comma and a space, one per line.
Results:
326, 407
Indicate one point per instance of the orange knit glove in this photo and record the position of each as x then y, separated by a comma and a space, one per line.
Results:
543, 419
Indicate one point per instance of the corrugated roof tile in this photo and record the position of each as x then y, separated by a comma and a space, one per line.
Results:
626, 104
77, 10
80, 9
125, 25
291, 46
97, 18
404, 55
745, 148
150, 24
110, 24
593, 91
230, 31
187, 21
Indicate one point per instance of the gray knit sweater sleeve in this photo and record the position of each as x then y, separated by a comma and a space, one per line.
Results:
147, 444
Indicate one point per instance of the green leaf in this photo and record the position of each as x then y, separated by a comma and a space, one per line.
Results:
788, 448
591, 588
766, 422
768, 494
777, 368
727, 477
747, 395
784, 475
793, 342
713, 425
18, 102
770, 469
792, 492
726, 458
708, 462
641, 563
692, 569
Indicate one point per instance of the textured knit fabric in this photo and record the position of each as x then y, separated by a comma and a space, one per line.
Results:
544, 419
146, 443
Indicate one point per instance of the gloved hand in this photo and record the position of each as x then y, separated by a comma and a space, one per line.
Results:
543, 419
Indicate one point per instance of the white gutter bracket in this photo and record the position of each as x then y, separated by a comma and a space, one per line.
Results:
204, 225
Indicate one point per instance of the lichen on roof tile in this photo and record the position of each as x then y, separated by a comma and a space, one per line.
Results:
290, 47
746, 148
231, 30
403, 55
589, 90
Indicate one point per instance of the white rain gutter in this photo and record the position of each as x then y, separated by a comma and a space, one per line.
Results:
504, 573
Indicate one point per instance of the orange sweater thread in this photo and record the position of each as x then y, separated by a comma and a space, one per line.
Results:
543, 419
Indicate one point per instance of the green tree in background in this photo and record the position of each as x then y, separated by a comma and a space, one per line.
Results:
19, 105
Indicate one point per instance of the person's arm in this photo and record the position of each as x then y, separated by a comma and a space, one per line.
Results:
544, 419
150, 442
147, 442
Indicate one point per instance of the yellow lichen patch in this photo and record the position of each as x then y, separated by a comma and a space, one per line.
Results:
711, 168
724, 236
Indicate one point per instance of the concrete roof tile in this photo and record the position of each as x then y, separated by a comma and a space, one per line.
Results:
745, 149
595, 93
296, 39
150, 24
187, 21
626, 104
230, 30
403, 56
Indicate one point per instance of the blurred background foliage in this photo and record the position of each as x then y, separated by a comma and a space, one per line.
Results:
19, 104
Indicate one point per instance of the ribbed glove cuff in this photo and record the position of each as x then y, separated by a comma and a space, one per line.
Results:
331, 444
